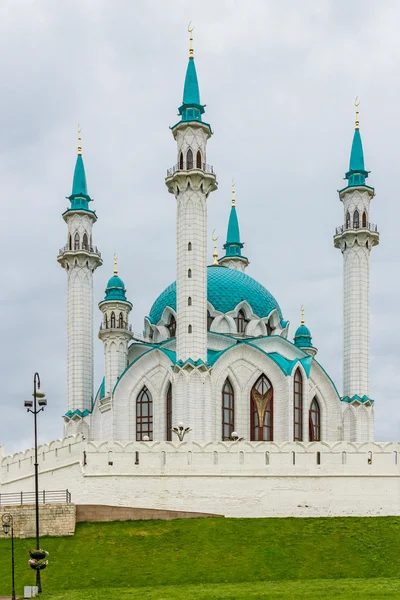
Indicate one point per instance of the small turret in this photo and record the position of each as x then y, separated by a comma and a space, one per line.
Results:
303, 339
233, 247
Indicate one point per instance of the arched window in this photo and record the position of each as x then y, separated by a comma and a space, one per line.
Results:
189, 329
347, 220
189, 160
189, 301
144, 415
189, 273
298, 407
85, 245
314, 422
356, 219
189, 246
210, 319
181, 161
228, 410
241, 321
198, 159
70, 242
169, 414
113, 320
172, 326
261, 411
106, 321
364, 219
121, 320
76, 241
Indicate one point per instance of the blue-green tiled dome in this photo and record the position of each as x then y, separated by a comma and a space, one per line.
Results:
225, 289
302, 337
115, 290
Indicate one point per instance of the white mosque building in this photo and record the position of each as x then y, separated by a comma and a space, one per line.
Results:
216, 407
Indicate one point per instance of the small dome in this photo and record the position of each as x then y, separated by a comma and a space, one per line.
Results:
115, 290
225, 289
115, 282
302, 337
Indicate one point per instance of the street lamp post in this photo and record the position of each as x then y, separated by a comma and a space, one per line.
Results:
31, 406
8, 524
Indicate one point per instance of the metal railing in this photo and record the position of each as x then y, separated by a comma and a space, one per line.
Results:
369, 226
184, 167
116, 325
88, 248
45, 497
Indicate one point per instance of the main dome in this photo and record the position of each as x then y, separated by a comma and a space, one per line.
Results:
225, 289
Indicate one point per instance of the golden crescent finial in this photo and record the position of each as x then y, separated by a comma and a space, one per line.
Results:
115, 265
233, 193
79, 140
215, 253
357, 104
302, 314
190, 30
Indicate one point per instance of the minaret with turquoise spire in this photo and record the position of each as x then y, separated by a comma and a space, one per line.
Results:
115, 331
355, 238
80, 259
191, 180
233, 247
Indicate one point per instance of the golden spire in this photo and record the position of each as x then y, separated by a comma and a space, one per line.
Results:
115, 265
79, 140
233, 192
302, 315
357, 104
191, 55
215, 253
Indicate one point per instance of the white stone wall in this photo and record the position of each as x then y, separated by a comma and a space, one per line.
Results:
80, 265
239, 479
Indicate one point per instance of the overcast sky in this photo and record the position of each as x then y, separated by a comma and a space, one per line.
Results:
279, 80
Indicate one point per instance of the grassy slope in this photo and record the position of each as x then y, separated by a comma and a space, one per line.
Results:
207, 551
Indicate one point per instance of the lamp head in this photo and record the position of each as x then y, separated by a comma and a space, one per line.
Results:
146, 438
42, 401
180, 425
6, 527
28, 404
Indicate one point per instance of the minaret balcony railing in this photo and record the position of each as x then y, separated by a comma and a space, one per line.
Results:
91, 249
369, 227
116, 325
184, 167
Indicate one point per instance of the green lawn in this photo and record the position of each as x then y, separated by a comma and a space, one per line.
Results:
230, 559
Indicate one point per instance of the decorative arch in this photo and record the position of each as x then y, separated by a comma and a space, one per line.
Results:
70, 242
189, 160
112, 319
198, 160
172, 326
168, 421
144, 415
261, 410
85, 243
347, 220
181, 161
228, 410
314, 421
76, 241
298, 407
356, 219
241, 321
210, 319
364, 219
121, 320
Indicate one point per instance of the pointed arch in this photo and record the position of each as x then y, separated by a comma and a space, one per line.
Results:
189, 273
262, 410
347, 220
189, 246
121, 320
190, 329
356, 219
364, 219
198, 160
181, 161
168, 421
112, 319
298, 407
210, 319
144, 414
76, 241
189, 160
314, 421
70, 242
172, 326
85, 243
228, 410
241, 321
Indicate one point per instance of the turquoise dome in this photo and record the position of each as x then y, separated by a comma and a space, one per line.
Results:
115, 290
225, 289
302, 337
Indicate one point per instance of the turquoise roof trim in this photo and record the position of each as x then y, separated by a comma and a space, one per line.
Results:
78, 412
361, 399
226, 288
283, 363
356, 174
79, 197
233, 245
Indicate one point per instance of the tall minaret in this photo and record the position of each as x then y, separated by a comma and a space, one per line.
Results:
233, 247
355, 238
191, 181
80, 259
115, 331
